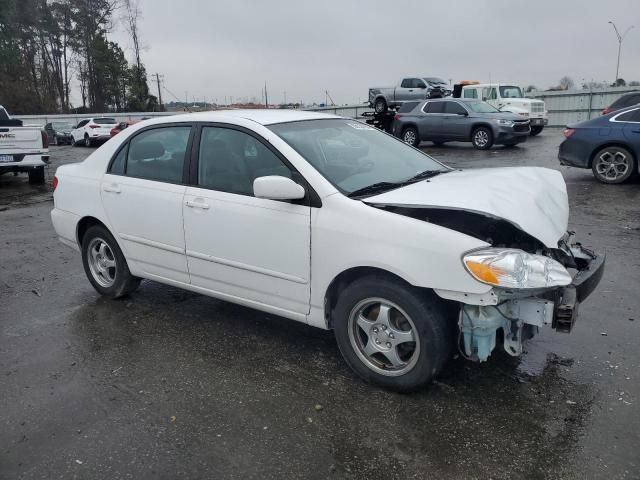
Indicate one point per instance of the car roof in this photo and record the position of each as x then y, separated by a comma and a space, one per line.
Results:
263, 117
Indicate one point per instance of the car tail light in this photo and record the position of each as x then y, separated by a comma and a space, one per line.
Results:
396, 117
54, 183
94, 126
45, 139
568, 132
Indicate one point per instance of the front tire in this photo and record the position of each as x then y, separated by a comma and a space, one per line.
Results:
482, 138
36, 176
380, 105
536, 131
105, 264
392, 334
613, 165
410, 136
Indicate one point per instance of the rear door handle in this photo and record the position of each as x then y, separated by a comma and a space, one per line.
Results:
194, 204
113, 188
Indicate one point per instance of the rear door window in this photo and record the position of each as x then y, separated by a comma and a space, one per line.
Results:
3, 114
82, 123
158, 154
434, 107
454, 108
631, 116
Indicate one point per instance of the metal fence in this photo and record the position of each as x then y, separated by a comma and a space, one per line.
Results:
350, 111
570, 106
564, 107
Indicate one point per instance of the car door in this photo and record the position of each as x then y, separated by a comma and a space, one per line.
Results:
78, 132
454, 121
419, 90
142, 194
406, 90
247, 249
430, 122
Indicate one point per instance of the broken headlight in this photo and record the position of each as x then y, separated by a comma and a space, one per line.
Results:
513, 268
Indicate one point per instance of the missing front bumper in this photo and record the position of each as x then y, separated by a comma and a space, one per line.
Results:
518, 319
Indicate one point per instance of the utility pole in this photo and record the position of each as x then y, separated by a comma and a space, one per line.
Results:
158, 76
266, 98
620, 39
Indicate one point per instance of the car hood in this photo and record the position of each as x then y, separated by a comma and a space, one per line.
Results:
533, 199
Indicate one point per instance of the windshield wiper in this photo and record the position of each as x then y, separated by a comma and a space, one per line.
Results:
423, 175
382, 186
374, 188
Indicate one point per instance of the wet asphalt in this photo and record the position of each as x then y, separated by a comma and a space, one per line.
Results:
171, 384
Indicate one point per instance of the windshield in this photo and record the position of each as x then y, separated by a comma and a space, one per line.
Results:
434, 80
62, 126
352, 155
511, 92
482, 107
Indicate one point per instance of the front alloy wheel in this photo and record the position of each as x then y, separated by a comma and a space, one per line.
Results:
613, 165
482, 138
392, 334
383, 336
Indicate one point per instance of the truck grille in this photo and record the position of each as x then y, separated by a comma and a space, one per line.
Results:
537, 107
521, 126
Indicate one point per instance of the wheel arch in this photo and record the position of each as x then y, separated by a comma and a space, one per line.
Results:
348, 276
614, 143
87, 222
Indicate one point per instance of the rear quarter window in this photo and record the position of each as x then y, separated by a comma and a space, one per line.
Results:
407, 107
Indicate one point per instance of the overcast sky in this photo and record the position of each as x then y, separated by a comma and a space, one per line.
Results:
219, 48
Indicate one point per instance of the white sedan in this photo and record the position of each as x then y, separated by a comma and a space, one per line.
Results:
331, 222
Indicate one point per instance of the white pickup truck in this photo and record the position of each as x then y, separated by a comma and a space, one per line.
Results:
507, 98
23, 149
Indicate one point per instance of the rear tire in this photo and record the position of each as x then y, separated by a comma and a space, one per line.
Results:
537, 130
36, 176
374, 311
105, 264
87, 141
482, 138
410, 136
613, 165
380, 105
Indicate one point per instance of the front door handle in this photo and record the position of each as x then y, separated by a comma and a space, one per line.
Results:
113, 188
193, 204
635, 131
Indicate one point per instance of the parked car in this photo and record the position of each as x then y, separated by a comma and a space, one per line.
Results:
330, 222
93, 130
59, 133
23, 148
608, 145
458, 120
508, 98
121, 126
410, 88
626, 100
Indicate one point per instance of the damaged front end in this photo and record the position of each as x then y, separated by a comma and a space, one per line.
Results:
533, 285
521, 310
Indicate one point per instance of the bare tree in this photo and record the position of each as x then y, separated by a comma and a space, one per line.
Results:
566, 83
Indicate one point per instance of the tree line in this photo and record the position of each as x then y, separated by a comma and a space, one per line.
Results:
47, 47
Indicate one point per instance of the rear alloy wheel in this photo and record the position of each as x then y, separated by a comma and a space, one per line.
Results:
410, 136
613, 165
105, 264
392, 334
87, 140
482, 138
380, 106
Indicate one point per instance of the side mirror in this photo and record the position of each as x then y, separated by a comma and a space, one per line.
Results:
275, 187
422, 86
73, 127
463, 114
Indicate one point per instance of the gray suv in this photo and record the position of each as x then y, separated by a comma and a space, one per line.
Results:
459, 120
